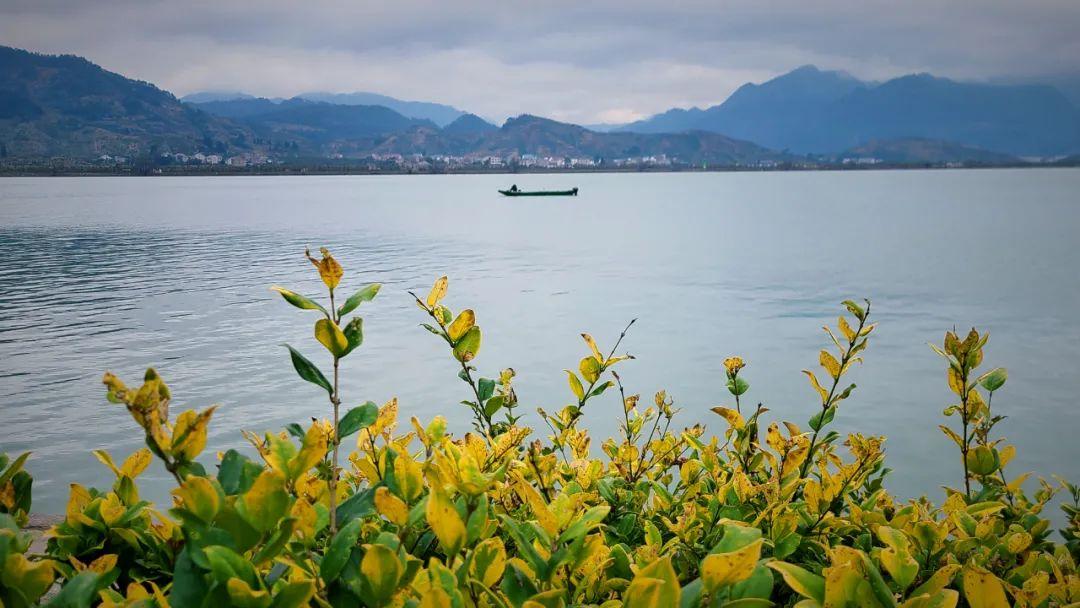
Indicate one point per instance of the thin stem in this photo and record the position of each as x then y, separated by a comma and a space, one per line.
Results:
836, 382
335, 400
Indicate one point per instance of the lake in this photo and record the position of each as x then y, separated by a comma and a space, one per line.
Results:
124, 273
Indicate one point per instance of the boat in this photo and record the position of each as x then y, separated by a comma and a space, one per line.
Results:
515, 192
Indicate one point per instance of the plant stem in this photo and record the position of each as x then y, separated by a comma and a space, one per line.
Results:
335, 400
836, 382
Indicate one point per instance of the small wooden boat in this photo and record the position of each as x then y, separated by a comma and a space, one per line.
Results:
516, 192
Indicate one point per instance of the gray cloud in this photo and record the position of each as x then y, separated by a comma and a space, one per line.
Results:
595, 61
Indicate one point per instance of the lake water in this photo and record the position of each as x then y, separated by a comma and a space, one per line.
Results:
123, 273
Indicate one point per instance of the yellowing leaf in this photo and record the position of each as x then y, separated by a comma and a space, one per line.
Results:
438, 292
720, 569
468, 346
733, 417
381, 570
189, 436
200, 497
817, 386
390, 506
463, 323
539, 507
592, 346
330, 335
830, 364
488, 562
982, 589
654, 586
575, 385
329, 270
445, 521
136, 463
312, 451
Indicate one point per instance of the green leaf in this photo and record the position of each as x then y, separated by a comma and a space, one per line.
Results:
366, 294
237, 472
358, 505
79, 592
738, 386
590, 369
486, 388
994, 379
307, 370
600, 388
337, 555
359, 417
354, 334
298, 300
823, 418
468, 346
802, 581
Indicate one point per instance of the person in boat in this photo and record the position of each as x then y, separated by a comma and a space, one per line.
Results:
513, 188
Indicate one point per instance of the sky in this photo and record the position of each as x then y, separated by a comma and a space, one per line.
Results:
587, 62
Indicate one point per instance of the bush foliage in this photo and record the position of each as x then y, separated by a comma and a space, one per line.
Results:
365, 509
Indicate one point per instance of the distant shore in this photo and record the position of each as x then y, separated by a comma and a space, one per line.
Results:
308, 170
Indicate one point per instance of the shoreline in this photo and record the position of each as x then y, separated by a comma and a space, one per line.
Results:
340, 170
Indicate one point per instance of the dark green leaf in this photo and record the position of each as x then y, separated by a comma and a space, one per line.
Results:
354, 333
366, 294
486, 388
994, 379
307, 370
359, 417
337, 554
358, 505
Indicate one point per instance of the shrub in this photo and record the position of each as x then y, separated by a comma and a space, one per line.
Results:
657, 516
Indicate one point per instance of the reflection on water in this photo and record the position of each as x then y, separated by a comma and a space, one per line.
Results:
122, 274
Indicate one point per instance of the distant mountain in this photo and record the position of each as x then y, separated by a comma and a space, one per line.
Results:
914, 150
469, 124
325, 122
814, 111
237, 107
62, 105
437, 113
528, 134
207, 96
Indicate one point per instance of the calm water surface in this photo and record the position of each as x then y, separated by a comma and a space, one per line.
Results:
125, 273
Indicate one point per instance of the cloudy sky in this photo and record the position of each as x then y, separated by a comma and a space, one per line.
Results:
591, 61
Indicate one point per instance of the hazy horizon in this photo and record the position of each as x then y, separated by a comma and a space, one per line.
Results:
608, 62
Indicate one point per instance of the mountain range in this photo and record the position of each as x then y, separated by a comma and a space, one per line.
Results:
66, 106
827, 112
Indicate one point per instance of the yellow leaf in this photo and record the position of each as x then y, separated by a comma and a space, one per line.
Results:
817, 386
390, 506
575, 385
330, 335
31, 579
982, 589
845, 328
955, 382
539, 507
445, 521
200, 497
720, 569
438, 292
381, 569
243, 596
488, 561
654, 586
312, 451
463, 323
830, 364
592, 346
734, 418
136, 463
329, 269
435, 598
189, 436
